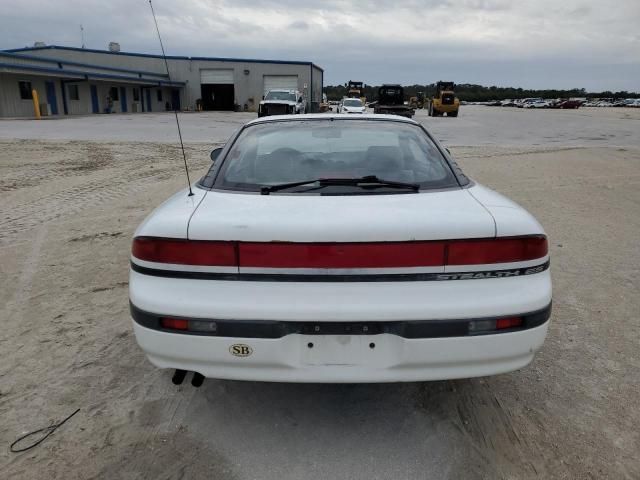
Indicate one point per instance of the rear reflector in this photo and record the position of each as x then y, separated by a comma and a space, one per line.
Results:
482, 326
510, 322
340, 255
174, 324
202, 326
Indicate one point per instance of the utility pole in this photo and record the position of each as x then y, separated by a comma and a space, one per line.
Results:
82, 34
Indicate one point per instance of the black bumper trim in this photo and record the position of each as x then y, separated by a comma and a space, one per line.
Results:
374, 277
402, 328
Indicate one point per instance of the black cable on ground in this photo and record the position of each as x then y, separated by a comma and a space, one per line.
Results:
49, 430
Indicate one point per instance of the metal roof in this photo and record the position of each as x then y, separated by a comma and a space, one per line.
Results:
84, 75
11, 54
170, 57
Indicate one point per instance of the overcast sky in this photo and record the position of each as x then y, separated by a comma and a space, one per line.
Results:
538, 43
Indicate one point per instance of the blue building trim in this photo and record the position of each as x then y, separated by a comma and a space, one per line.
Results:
169, 57
86, 75
61, 62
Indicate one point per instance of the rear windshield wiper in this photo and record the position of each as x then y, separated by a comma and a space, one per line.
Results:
370, 181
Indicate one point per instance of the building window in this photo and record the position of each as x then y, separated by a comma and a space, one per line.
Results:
74, 93
136, 95
113, 93
159, 95
25, 90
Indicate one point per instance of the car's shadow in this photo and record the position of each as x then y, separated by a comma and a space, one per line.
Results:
387, 430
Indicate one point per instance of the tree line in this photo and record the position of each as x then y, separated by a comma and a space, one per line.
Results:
480, 93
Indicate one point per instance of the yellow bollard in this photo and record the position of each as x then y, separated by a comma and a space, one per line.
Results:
36, 104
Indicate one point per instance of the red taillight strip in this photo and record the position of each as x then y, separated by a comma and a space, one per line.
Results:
496, 250
340, 255
185, 252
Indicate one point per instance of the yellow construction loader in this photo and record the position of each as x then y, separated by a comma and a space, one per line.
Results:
356, 90
444, 101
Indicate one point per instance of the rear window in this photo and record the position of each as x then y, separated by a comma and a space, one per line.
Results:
282, 152
274, 95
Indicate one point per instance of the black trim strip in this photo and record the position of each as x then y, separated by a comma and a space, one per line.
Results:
277, 329
384, 277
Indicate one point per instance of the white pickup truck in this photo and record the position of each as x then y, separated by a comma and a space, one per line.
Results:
282, 102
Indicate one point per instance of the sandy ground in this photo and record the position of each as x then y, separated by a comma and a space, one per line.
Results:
67, 212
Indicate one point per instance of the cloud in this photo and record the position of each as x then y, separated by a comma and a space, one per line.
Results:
557, 44
299, 25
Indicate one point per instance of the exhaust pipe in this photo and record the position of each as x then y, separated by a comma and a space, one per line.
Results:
178, 377
197, 379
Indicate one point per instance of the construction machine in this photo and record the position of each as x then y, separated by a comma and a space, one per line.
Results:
417, 101
444, 101
356, 90
391, 101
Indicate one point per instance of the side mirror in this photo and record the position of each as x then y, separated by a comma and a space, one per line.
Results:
215, 153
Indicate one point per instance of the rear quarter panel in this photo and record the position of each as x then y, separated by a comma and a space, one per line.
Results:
511, 219
171, 218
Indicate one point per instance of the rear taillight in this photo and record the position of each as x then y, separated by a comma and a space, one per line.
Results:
184, 252
496, 250
340, 255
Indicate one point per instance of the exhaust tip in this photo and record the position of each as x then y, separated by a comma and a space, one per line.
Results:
197, 379
178, 377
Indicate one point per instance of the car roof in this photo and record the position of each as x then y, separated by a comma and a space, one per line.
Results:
331, 116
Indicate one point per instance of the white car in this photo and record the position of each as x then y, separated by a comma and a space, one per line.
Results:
536, 103
351, 105
335, 248
282, 102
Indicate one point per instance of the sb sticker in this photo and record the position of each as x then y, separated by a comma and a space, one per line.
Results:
240, 350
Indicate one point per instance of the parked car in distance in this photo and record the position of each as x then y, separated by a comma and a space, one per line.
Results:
282, 102
522, 102
339, 248
536, 103
565, 103
351, 105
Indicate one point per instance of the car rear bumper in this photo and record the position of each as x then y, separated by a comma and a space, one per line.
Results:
342, 358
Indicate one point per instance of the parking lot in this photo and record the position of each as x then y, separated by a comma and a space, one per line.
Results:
72, 192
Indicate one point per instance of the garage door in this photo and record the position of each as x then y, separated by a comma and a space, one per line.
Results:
283, 82
216, 77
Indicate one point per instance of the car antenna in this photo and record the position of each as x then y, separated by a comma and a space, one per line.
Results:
175, 111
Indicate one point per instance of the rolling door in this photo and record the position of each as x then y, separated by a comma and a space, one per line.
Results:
280, 82
217, 89
216, 77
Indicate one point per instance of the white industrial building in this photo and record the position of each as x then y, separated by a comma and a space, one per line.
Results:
72, 81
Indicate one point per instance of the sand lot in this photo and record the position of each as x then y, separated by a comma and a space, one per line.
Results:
72, 192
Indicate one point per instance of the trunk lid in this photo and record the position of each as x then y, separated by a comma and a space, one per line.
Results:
452, 214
